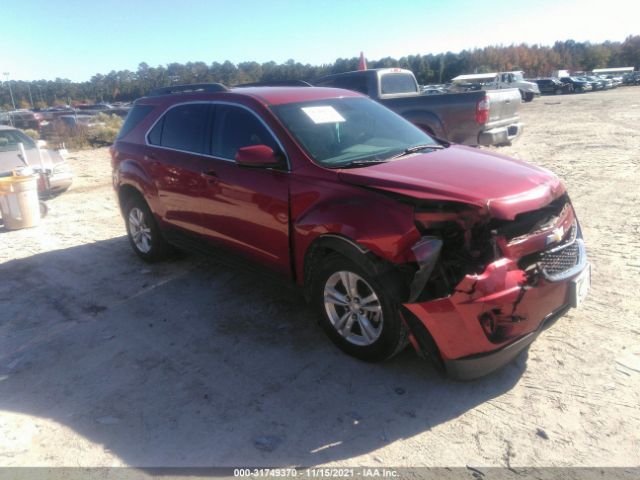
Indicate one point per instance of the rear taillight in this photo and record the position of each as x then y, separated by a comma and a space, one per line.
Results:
482, 111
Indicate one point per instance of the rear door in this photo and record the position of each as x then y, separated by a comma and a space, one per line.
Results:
177, 145
245, 209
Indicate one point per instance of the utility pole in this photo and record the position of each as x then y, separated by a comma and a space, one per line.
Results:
6, 76
40, 90
30, 97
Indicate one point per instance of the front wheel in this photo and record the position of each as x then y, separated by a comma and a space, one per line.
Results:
355, 312
143, 232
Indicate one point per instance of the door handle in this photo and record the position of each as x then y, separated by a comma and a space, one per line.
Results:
210, 176
150, 156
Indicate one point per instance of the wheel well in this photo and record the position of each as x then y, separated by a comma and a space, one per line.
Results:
393, 277
125, 192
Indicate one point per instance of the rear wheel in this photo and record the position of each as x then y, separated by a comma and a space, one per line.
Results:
143, 232
355, 312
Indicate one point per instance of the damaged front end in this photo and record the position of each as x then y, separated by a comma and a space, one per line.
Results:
485, 286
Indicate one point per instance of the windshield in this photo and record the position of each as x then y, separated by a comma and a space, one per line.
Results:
517, 77
340, 131
9, 140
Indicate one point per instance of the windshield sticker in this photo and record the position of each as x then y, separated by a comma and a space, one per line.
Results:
326, 114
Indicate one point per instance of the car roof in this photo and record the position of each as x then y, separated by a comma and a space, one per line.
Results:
282, 95
265, 95
7, 127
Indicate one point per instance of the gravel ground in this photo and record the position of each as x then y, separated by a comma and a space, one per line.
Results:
106, 361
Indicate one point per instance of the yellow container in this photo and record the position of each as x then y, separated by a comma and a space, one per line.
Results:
19, 202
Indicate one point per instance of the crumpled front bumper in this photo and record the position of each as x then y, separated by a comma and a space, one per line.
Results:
503, 292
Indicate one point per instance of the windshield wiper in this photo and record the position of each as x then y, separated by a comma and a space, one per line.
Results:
417, 148
361, 163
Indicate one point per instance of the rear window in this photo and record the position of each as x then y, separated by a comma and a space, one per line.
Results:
397, 83
134, 117
357, 83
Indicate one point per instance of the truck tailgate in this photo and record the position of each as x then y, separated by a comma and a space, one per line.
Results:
504, 107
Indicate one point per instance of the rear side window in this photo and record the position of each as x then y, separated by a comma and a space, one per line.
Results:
134, 117
236, 127
397, 83
182, 128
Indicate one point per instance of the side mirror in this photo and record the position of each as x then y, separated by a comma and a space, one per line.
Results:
41, 143
257, 156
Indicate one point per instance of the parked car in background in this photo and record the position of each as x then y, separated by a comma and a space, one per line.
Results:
607, 83
497, 80
25, 120
579, 86
552, 86
631, 78
93, 107
474, 118
596, 83
393, 236
51, 163
82, 120
616, 79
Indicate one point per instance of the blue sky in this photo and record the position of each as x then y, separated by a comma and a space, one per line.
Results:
76, 39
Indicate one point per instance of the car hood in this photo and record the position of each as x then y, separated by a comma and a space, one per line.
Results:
47, 159
503, 186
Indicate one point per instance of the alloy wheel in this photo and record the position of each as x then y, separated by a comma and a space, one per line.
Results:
140, 230
353, 308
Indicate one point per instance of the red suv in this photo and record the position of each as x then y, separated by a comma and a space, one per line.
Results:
395, 237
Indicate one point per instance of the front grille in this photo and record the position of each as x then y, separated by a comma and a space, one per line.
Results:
562, 260
565, 260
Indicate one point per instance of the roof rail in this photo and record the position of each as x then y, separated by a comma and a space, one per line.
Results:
192, 88
277, 83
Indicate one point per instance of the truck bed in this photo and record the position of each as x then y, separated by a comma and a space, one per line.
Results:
452, 116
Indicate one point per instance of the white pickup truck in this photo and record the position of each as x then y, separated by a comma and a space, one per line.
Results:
496, 81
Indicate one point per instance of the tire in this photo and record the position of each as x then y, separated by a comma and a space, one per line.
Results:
383, 335
142, 229
558, 91
528, 97
43, 209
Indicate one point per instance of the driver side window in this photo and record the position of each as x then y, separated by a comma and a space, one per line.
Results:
236, 127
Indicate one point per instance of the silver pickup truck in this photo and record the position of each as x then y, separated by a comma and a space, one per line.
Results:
471, 118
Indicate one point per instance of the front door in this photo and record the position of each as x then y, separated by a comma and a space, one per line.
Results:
244, 208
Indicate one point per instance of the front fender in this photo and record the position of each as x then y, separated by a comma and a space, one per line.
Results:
388, 232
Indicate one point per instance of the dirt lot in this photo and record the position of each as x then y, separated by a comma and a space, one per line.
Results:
107, 361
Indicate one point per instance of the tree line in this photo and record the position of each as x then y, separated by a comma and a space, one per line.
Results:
125, 85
